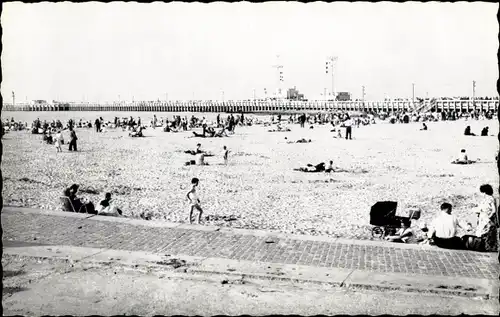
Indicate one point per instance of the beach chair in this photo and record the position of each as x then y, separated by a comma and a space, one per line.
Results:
68, 205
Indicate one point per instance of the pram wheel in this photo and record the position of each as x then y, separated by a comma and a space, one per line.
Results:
378, 232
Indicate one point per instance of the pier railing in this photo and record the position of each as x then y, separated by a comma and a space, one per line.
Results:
263, 106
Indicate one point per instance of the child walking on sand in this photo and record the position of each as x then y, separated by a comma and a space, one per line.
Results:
226, 155
194, 201
59, 141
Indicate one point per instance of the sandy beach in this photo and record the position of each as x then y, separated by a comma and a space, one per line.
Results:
259, 187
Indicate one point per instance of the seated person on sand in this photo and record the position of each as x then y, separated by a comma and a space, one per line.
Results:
137, 132
330, 168
484, 131
107, 207
424, 127
210, 131
444, 229
339, 133
45, 137
279, 129
403, 234
462, 158
198, 151
80, 205
312, 168
468, 132
221, 133
200, 159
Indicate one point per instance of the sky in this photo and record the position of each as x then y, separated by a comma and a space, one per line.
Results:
177, 51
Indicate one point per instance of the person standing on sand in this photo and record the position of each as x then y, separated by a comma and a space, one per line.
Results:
72, 139
97, 125
348, 129
226, 155
154, 121
194, 201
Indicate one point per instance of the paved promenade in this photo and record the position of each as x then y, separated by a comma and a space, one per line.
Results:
58, 228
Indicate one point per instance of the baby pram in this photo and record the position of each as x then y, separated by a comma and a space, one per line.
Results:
383, 218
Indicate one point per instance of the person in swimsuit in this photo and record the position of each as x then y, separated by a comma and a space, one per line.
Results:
194, 201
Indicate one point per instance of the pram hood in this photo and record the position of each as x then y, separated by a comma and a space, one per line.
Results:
383, 213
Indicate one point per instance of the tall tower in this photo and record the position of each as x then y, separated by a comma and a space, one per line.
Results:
279, 72
13, 98
331, 62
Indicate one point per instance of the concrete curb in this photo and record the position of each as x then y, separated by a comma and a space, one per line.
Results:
229, 269
231, 231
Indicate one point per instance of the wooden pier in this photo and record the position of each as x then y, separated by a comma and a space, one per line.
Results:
264, 106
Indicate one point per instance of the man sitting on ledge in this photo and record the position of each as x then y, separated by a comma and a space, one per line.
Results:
444, 229
107, 207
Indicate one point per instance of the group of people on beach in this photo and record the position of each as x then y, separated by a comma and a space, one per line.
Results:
72, 203
201, 154
485, 236
484, 131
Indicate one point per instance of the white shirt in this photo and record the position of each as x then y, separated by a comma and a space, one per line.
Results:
200, 159
445, 226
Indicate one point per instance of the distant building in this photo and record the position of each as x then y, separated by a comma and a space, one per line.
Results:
293, 94
343, 96
39, 102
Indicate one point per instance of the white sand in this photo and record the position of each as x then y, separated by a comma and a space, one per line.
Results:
385, 162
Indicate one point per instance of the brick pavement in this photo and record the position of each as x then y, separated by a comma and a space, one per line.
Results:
369, 256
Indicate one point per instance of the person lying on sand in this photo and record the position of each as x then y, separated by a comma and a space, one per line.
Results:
300, 141
280, 130
311, 168
462, 158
